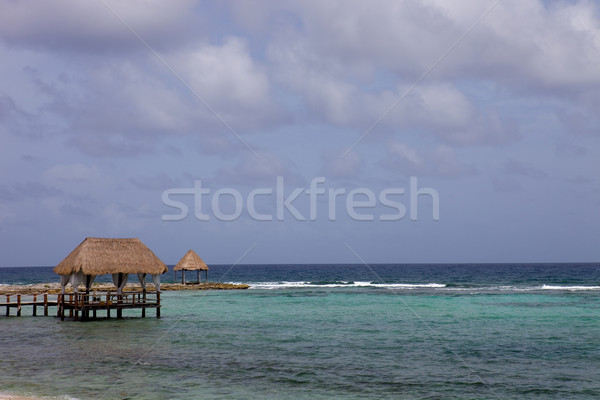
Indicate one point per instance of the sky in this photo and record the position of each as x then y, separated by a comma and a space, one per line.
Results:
420, 131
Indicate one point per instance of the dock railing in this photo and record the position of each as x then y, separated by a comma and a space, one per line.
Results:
19, 301
96, 301
83, 303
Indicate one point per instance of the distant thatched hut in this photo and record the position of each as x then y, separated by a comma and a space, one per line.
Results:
191, 262
118, 257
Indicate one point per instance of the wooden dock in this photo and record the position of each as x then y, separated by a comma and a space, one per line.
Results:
18, 301
80, 305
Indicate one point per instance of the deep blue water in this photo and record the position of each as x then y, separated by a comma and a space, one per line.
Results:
446, 276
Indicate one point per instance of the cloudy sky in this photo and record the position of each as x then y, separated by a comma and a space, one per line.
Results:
105, 105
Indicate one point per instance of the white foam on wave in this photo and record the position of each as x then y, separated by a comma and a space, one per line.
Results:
275, 285
556, 287
304, 284
521, 288
410, 286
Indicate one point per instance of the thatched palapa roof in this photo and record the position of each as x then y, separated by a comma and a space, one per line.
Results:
99, 256
191, 262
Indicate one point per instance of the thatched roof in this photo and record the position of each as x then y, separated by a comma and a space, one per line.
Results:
191, 262
98, 256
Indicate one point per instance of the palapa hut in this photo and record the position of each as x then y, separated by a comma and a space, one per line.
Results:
191, 262
118, 257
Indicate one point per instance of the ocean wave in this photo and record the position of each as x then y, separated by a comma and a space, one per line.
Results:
511, 288
557, 287
411, 286
339, 284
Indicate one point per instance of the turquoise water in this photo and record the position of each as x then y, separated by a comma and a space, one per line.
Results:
319, 342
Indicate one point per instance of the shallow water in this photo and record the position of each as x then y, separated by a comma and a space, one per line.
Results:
317, 343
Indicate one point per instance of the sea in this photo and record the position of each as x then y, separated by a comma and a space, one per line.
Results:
381, 331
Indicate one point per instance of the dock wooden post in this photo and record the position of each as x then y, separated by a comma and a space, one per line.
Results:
60, 307
158, 306
119, 309
144, 303
82, 306
45, 304
71, 308
85, 309
75, 306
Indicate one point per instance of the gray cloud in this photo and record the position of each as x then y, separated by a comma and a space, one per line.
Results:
7, 107
14, 120
581, 122
342, 164
117, 108
506, 184
521, 168
570, 150
439, 162
329, 60
27, 190
250, 171
76, 211
334, 55
156, 182
580, 180
91, 122
109, 146
67, 26
513, 172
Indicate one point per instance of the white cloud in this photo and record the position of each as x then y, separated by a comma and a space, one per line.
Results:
120, 108
558, 44
335, 54
551, 44
440, 110
298, 80
342, 63
229, 80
